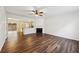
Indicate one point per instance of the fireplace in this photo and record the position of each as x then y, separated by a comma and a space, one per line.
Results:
39, 30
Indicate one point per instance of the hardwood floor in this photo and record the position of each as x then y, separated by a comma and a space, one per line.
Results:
44, 43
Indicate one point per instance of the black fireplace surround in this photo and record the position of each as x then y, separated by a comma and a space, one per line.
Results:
39, 30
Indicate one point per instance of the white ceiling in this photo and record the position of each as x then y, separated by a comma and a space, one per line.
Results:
60, 10
26, 11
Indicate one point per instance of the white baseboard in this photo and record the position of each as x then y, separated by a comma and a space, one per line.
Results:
3, 43
68, 37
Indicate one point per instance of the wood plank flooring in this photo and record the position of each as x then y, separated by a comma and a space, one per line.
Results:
45, 43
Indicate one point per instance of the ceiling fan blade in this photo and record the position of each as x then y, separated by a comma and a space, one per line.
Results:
28, 10
41, 12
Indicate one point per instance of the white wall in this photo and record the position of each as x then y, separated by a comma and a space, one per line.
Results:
38, 22
3, 26
63, 25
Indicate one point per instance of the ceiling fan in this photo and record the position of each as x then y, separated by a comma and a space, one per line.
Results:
38, 12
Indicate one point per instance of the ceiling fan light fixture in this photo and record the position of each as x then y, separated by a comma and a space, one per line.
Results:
37, 12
